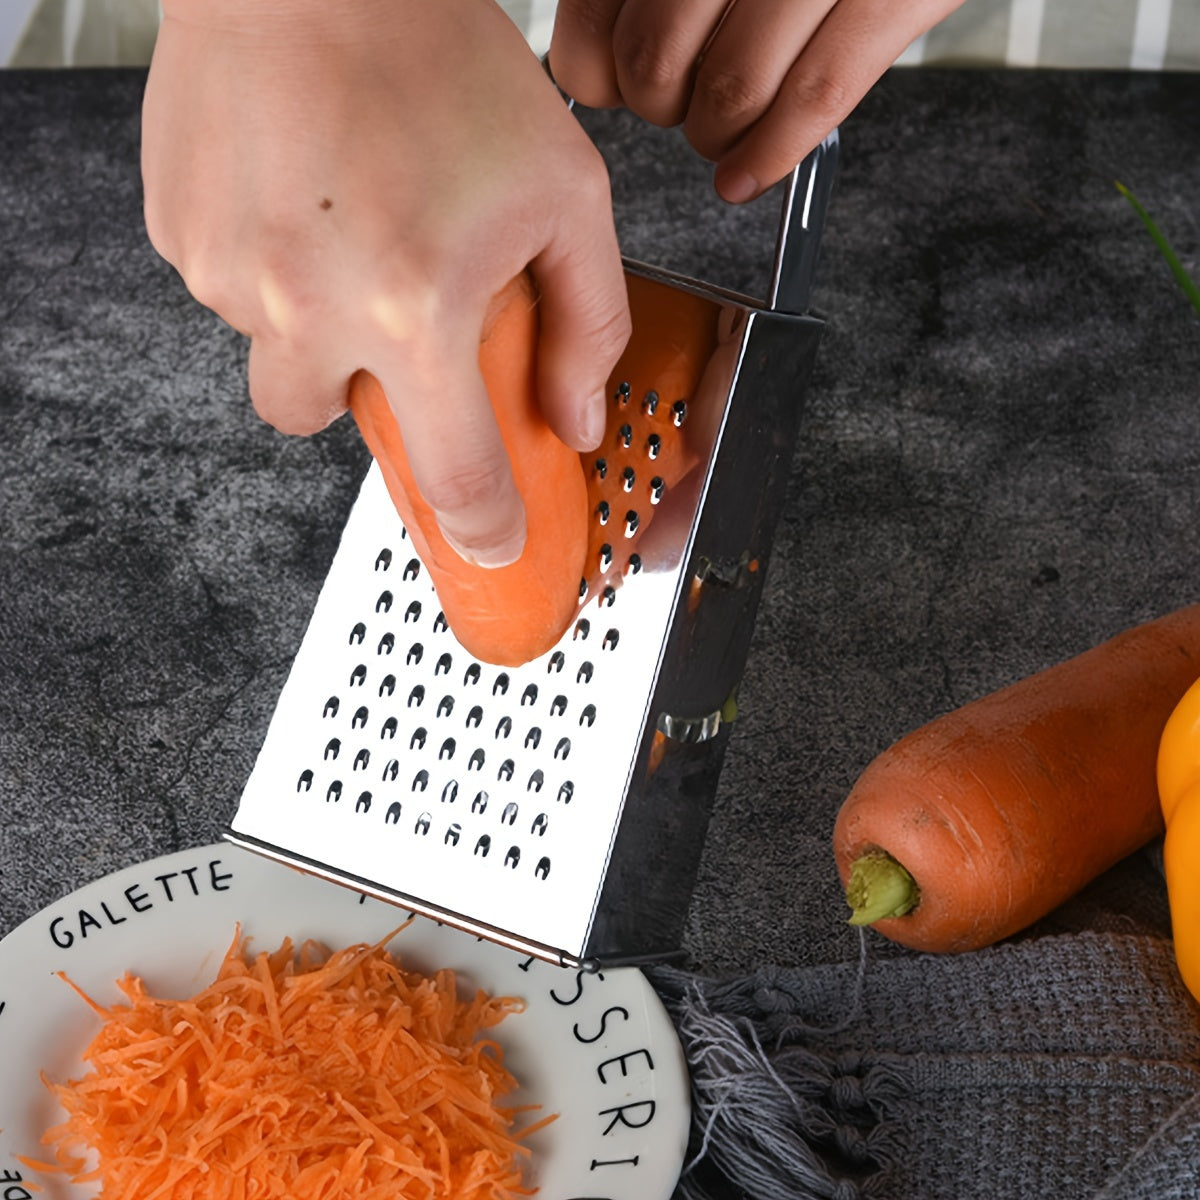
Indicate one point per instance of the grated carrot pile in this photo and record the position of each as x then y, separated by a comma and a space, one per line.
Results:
309, 1077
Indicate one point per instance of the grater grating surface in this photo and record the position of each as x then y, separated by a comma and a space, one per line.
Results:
559, 806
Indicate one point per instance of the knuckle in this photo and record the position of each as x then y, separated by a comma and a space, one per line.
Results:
647, 65
823, 96
729, 95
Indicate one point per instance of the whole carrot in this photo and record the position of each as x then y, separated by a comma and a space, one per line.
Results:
977, 824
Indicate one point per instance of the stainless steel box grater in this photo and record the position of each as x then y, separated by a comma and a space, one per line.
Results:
560, 807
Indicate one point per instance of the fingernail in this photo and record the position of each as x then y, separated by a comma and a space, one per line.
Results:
595, 420
737, 186
493, 555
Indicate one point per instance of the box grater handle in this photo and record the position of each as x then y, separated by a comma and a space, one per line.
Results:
801, 221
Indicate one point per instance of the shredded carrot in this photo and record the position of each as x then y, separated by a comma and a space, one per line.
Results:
309, 1075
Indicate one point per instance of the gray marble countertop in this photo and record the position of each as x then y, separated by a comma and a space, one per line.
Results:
998, 467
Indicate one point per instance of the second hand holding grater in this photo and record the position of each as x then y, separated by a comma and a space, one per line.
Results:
560, 807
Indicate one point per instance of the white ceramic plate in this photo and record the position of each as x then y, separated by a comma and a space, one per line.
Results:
597, 1049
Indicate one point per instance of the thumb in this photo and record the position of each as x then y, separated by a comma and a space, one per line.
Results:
585, 323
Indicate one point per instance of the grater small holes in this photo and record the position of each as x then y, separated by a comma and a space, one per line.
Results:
679, 412
359, 720
584, 674
387, 644
606, 557
657, 486
582, 628
384, 603
634, 565
475, 762
440, 624
506, 770
557, 662
412, 569
391, 771
480, 803
446, 751
358, 676
383, 559
332, 748
622, 394
542, 870
389, 728
483, 845
415, 653
475, 717
628, 479
362, 760
450, 792
566, 792
331, 707
529, 695
625, 436
563, 748
443, 665
603, 512
334, 792
650, 402
416, 697
358, 634
453, 833
533, 738
558, 705
388, 686
588, 716
540, 823
513, 857
653, 446
536, 781
304, 783
417, 741
363, 803
412, 612
392, 816
601, 468
445, 706
509, 815
632, 520
608, 596
503, 728
500, 687
420, 780
583, 589
472, 674
422, 825
611, 638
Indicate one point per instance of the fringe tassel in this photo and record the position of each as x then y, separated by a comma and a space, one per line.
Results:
773, 1118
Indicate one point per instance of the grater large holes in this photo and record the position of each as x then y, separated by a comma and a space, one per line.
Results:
557, 661
423, 822
536, 781
533, 738
480, 803
601, 468
542, 870
333, 792
359, 675
634, 565
445, 706
390, 726
475, 717
500, 687
359, 720
529, 695
603, 512
483, 845
565, 792
412, 612
440, 624
653, 446
387, 644
358, 634
658, 485
420, 780
362, 760
582, 628
625, 436
628, 479
417, 741
332, 749
415, 653
383, 559
453, 833
412, 569
558, 705
608, 596
507, 767
450, 792
444, 664
503, 728
388, 686
632, 521
475, 762
650, 402
446, 750
305, 782
384, 603
331, 707
391, 771
679, 412
563, 748
622, 394
472, 674
588, 716
416, 697
540, 824
363, 803
509, 815
513, 857
605, 557
584, 674
611, 638
392, 816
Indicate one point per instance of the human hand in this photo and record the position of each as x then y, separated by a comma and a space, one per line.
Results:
349, 185
756, 84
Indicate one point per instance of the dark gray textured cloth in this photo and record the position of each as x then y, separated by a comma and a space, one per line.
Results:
997, 468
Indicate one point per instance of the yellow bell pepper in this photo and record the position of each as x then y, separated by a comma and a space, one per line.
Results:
1179, 794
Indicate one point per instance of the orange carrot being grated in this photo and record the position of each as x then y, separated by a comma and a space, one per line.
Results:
308, 1077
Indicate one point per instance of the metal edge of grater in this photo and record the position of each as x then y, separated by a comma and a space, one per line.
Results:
559, 808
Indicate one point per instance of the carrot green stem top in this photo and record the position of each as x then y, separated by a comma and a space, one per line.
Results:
879, 887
